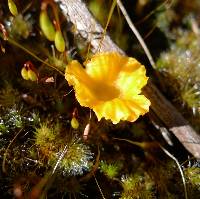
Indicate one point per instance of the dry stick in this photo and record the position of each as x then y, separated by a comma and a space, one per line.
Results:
77, 13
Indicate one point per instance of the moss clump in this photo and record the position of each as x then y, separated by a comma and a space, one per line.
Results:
77, 158
181, 62
11, 119
44, 139
192, 175
137, 186
20, 27
110, 170
8, 96
72, 155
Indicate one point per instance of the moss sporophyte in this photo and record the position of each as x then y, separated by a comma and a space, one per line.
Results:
110, 84
12, 7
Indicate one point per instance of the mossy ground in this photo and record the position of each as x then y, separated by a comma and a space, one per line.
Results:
43, 156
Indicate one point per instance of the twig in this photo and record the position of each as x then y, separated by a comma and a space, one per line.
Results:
85, 24
77, 13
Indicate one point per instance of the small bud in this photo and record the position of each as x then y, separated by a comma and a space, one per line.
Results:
24, 73
12, 7
74, 123
59, 41
47, 26
32, 75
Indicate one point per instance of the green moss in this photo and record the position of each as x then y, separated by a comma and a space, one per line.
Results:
76, 159
181, 62
3, 127
50, 158
110, 170
193, 175
72, 155
8, 96
193, 181
137, 186
45, 135
20, 27
12, 119
46, 138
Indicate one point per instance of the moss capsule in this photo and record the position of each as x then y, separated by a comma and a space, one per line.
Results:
59, 41
32, 75
24, 73
74, 123
12, 7
47, 26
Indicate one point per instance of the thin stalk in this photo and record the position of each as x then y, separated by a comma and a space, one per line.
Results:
13, 42
99, 187
180, 169
107, 23
60, 158
136, 33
